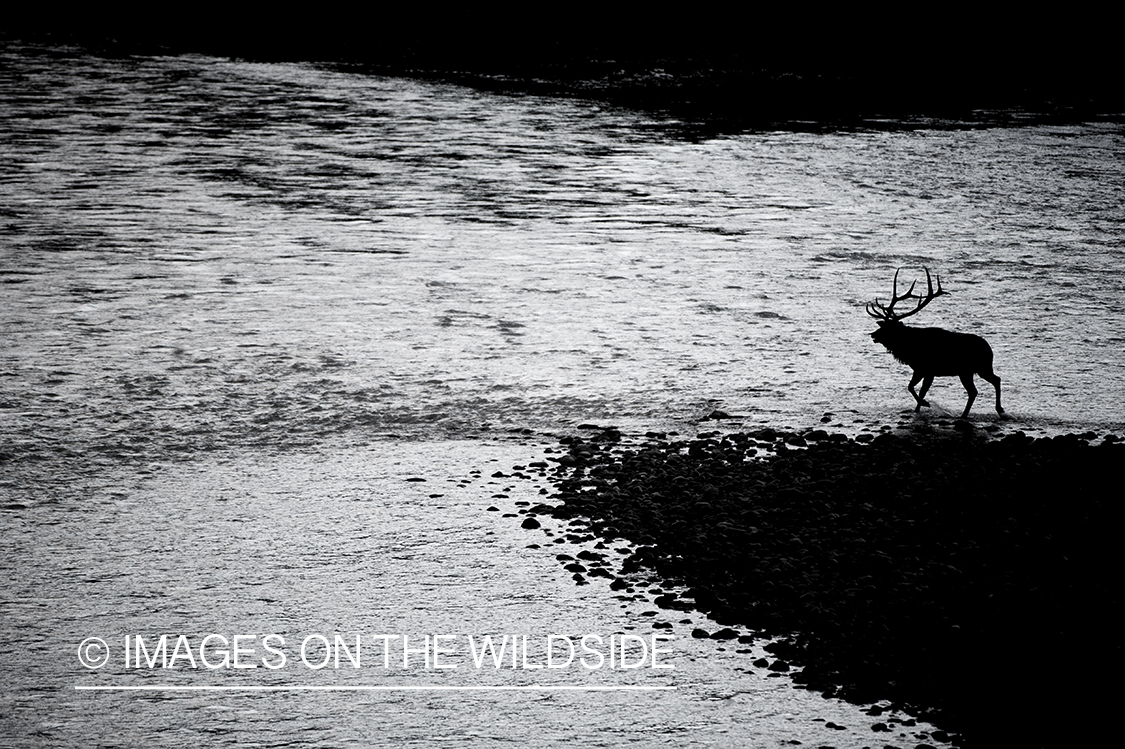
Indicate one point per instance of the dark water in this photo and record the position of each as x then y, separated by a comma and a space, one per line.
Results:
259, 268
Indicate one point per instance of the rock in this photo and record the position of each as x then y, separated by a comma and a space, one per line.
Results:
726, 633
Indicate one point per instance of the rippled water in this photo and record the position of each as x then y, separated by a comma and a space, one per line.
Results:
203, 258
201, 253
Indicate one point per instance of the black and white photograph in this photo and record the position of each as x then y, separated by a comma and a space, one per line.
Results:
557, 381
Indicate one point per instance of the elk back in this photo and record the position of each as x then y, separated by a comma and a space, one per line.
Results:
935, 351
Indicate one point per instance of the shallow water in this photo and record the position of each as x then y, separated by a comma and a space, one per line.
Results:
345, 544
206, 261
201, 253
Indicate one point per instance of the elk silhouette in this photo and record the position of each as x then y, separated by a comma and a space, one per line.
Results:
932, 352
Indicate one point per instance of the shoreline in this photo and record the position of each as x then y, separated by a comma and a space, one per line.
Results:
718, 80
351, 541
935, 570
842, 654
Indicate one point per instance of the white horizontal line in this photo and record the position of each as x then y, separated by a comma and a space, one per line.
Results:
298, 688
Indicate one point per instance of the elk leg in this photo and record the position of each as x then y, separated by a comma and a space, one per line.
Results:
929, 380
971, 389
920, 397
991, 377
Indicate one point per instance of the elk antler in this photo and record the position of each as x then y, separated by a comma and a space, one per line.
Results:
886, 312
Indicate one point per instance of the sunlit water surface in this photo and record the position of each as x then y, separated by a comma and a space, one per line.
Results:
241, 303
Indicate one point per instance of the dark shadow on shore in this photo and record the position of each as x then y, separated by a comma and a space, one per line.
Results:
973, 582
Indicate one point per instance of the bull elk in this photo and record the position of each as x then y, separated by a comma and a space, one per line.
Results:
932, 352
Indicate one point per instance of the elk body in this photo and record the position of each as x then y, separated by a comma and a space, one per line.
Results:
932, 352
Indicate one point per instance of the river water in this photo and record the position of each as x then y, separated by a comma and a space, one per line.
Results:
243, 304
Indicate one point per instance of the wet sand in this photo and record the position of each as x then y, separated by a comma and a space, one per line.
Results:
962, 577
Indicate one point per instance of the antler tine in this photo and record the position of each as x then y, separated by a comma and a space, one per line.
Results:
930, 295
930, 285
894, 290
940, 291
887, 312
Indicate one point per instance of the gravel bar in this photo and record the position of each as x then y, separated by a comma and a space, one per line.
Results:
970, 580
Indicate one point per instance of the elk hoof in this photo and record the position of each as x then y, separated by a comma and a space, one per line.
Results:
999, 410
